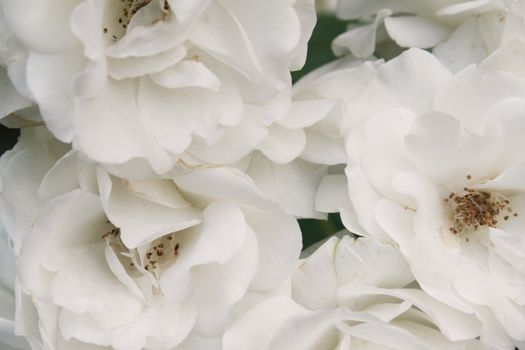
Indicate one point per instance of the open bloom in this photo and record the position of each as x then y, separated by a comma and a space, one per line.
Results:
135, 264
460, 32
145, 80
353, 294
436, 164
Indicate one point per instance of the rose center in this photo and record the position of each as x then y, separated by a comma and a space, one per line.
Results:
129, 9
474, 210
118, 18
152, 259
162, 253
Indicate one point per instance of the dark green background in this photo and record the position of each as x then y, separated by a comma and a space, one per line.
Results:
320, 44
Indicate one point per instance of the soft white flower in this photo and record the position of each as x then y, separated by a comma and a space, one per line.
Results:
130, 264
436, 164
353, 294
145, 80
460, 32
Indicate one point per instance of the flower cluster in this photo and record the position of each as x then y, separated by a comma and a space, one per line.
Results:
164, 157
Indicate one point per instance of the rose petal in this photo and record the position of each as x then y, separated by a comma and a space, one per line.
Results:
255, 328
12, 101
315, 282
219, 287
454, 324
415, 31
360, 41
216, 240
132, 67
37, 31
283, 145
279, 242
291, 185
225, 183
187, 73
109, 129
50, 79
173, 116
140, 220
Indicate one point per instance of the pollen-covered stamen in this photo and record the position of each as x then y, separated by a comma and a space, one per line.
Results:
129, 9
129, 258
474, 209
118, 23
162, 253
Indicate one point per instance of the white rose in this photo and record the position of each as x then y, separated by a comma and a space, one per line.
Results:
133, 80
435, 164
353, 294
460, 32
132, 264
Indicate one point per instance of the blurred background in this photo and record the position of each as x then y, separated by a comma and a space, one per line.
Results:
319, 53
